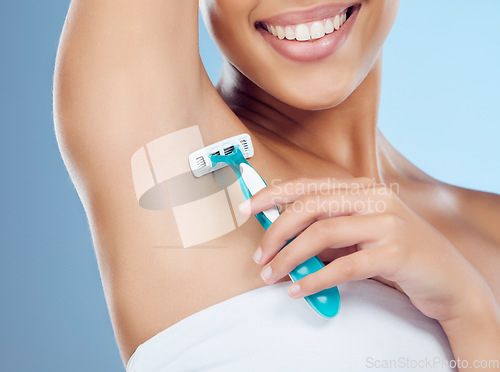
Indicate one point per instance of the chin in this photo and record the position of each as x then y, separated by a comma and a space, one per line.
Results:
318, 97
322, 102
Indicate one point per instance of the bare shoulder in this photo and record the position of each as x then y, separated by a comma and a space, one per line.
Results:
481, 210
470, 219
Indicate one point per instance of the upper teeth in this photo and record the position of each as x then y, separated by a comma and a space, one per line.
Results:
308, 31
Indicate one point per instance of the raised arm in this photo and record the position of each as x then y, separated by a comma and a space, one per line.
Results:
129, 72
136, 59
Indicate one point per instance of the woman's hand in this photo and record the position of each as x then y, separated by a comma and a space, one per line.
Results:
378, 237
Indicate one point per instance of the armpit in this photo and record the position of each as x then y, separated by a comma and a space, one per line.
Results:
204, 208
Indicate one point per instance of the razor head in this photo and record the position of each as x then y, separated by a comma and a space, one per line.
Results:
200, 163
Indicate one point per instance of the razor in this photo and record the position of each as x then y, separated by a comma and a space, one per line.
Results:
233, 152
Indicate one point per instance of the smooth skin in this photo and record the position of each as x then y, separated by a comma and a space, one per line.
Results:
129, 72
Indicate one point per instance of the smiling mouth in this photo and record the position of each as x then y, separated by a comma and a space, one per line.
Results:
309, 31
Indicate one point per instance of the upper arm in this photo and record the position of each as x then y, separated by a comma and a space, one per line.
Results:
129, 72
123, 65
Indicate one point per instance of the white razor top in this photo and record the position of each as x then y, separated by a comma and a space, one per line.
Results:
200, 163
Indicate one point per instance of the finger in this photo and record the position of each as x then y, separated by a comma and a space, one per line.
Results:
357, 266
288, 191
334, 233
311, 210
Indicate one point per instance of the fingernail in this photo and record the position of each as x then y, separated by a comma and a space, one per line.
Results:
245, 207
293, 289
266, 273
257, 255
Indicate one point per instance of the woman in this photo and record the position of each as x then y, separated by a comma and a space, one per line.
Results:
303, 79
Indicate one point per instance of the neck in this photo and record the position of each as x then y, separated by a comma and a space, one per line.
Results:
345, 135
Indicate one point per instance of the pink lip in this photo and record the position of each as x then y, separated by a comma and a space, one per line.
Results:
303, 16
313, 50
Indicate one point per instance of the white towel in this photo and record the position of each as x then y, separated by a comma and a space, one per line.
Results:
265, 330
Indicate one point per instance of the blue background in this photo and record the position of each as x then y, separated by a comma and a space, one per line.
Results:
439, 108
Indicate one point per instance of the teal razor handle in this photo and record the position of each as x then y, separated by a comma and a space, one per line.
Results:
325, 303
